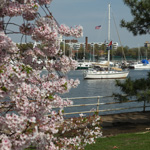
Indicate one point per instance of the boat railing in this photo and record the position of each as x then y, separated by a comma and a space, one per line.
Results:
98, 105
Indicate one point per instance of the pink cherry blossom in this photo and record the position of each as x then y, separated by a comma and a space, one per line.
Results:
43, 2
26, 29
32, 80
30, 11
76, 32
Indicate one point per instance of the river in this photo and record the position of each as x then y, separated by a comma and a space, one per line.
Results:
100, 87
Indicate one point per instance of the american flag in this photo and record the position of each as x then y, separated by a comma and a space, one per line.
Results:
98, 27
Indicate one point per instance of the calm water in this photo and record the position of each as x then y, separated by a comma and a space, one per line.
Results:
99, 87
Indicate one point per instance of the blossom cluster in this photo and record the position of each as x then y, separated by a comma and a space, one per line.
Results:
66, 64
76, 32
50, 50
6, 47
44, 33
26, 29
46, 20
12, 9
44, 2
28, 11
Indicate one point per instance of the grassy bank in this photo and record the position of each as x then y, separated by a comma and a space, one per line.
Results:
132, 141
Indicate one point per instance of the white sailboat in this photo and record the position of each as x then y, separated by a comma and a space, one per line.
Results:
141, 64
144, 64
106, 72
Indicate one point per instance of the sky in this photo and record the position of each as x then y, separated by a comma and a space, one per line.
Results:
91, 13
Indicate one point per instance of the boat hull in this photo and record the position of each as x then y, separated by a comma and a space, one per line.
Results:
82, 68
139, 65
142, 67
105, 75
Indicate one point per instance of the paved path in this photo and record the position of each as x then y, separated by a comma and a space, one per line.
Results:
125, 123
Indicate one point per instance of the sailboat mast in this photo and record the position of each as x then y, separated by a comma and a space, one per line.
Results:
139, 53
109, 23
108, 35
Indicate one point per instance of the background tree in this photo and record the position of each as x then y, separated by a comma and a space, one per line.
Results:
140, 88
81, 53
97, 49
140, 9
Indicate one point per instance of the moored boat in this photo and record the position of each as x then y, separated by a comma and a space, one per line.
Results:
105, 71
84, 65
144, 64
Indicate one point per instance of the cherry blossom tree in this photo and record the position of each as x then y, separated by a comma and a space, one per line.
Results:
28, 97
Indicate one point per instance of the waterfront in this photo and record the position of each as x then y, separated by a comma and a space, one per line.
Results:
100, 87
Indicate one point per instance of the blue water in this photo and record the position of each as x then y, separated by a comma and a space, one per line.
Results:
100, 87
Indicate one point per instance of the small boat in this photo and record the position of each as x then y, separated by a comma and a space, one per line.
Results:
105, 71
105, 62
84, 65
144, 64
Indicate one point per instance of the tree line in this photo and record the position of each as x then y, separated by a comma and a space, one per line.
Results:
101, 51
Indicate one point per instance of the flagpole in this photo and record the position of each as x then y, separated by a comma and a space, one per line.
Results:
93, 52
108, 35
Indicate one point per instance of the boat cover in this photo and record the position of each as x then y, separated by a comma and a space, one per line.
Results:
144, 61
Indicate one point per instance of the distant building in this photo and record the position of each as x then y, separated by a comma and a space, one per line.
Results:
115, 45
147, 44
76, 45
71, 41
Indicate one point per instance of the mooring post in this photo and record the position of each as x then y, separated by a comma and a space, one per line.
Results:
144, 106
98, 100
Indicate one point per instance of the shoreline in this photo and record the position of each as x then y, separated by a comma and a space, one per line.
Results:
130, 122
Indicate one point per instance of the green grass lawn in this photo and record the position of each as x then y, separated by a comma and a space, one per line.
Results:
132, 141
129, 141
